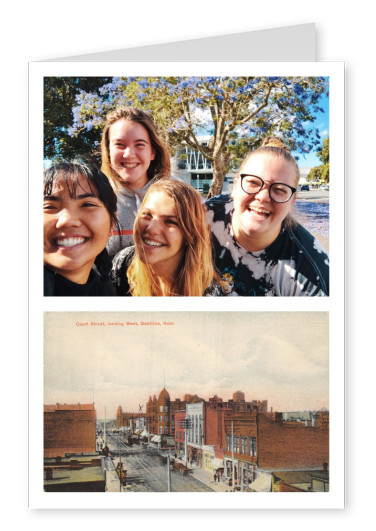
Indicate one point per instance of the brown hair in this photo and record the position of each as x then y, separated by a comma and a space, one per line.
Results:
196, 272
159, 168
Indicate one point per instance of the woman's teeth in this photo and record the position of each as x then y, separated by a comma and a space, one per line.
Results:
69, 242
259, 211
153, 244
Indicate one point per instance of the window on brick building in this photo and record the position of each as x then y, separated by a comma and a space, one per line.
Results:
252, 446
166, 429
166, 409
236, 444
161, 409
228, 442
160, 430
243, 443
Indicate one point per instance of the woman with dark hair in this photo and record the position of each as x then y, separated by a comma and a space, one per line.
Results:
172, 255
259, 248
79, 213
134, 157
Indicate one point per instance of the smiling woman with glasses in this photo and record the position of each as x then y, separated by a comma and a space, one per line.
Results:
259, 248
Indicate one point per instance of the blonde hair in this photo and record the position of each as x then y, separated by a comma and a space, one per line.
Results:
275, 147
196, 272
160, 167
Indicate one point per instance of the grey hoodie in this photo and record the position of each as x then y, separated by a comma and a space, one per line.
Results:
128, 204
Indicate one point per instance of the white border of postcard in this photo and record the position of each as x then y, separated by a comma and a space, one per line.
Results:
334, 304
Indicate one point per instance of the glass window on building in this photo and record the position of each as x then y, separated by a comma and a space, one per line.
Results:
243, 447
166, 409
236, 444
161, 409
252, 446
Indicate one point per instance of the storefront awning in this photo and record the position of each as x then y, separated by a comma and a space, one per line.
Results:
263, 483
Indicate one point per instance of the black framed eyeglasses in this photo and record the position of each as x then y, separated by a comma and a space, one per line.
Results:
278, 192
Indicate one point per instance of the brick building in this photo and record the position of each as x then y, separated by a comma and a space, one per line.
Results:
258, 444
238, 403
129, 420
69, 429
160, 413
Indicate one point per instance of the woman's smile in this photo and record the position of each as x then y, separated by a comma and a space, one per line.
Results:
76, 230
257, 219
159, 239
131, 152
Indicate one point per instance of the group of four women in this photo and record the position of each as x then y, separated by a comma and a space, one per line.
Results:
132, 229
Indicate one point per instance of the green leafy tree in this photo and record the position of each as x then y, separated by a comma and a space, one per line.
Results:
235, 111
321, 172
59, 98
315, 174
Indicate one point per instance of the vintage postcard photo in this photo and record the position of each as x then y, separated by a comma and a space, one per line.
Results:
183, 402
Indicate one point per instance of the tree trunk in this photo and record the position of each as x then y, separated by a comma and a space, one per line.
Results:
220, 168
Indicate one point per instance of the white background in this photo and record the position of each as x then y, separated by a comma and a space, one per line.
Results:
43, 29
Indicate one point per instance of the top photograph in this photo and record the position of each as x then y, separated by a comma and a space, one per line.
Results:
186, 186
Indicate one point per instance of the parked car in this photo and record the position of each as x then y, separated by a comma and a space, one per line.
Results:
325, 187
304, 187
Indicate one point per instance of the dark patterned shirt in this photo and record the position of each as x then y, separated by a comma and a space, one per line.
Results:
295, 264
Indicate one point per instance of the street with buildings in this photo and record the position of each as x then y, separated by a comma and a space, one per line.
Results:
187, 445
147, 470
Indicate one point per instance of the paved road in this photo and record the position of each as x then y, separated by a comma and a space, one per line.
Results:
315, 196
147, 472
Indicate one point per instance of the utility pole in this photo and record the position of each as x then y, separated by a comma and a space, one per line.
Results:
232, 455
168, 473
185, 442
104, 427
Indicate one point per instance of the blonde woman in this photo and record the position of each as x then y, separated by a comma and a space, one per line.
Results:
172, 255
134, 156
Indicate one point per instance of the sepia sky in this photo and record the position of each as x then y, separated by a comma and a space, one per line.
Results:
281, 357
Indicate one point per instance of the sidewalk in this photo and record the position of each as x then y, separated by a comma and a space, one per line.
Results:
206, 477
112, 479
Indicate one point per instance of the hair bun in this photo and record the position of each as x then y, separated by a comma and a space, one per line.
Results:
273, 141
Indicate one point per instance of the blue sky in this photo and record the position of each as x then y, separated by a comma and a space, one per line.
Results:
322, 123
